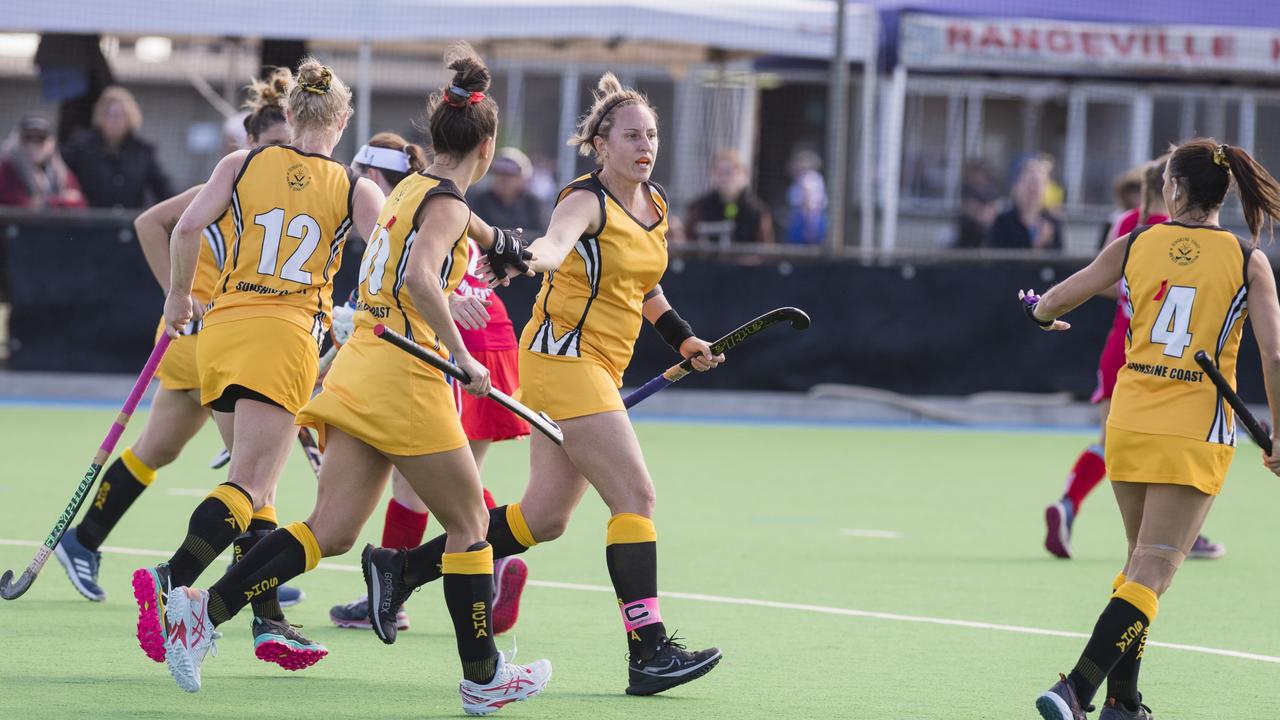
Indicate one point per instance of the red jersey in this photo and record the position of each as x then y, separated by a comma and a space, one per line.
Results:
1126, 224
498, 334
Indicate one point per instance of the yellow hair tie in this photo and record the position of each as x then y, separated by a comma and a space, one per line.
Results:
1220, 156
321, 86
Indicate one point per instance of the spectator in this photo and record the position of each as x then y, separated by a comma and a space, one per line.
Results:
979, 205
1127, 192
32, 175
507, 202
806, 199
116, 168
730, 212
1028, 224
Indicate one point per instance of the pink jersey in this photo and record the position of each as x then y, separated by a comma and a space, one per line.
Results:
498, 334
1126, 224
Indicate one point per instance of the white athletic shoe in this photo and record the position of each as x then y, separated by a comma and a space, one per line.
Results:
190, 635
511, 683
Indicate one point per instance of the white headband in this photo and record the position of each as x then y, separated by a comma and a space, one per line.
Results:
383, 158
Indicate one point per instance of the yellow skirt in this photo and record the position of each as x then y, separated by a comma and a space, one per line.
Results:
564, 387
1145, 458
268, 355
178, 369
384, 397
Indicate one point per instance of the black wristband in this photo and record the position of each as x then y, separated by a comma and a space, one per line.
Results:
673, 329
1029, 307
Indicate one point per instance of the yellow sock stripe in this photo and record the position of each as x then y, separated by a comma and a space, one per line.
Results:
302, 533
137, 468
473, 562
1141, 597
630, 528
236, 502
267, 513
1120, 580
519, 528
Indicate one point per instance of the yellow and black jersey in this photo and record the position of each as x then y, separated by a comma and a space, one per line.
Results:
383, 297
291, 211
591, 306
215, 242
1188, 290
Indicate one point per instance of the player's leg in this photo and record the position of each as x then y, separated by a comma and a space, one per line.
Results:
263, 435
1131, 499
404, 526
1171, 518
450, 485
1089, 469
175, 418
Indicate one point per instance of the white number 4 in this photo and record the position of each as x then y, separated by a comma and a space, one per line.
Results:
1173, 324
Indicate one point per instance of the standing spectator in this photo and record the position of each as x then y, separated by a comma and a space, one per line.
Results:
32, 175
1028, 224
116, 168
806, 200
979, 205
730, 212
507, 202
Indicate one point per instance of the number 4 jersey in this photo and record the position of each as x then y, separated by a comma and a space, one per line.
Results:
291, 211
1187, 289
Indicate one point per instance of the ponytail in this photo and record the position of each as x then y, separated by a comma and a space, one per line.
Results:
1259, 192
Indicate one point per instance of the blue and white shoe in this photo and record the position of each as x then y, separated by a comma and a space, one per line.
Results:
81, 565
1058, 519
289, 596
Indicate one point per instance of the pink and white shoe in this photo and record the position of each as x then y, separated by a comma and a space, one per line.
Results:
190, 635
511, 683
150, 585
509, 576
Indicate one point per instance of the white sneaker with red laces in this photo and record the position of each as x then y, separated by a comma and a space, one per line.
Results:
510, 683
190, 635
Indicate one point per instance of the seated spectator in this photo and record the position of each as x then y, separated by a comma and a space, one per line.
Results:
979, 205
116, 168
730, 212
806, 200
32, 175
1027, 224
507, 202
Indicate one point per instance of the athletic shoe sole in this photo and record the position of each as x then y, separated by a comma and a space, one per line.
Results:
287, 654
668, 682
65, 560
1057, 539
510, 587
151, 638
180, 666
1052, 707
402, 622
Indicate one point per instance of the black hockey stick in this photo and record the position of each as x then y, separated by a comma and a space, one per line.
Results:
797, 317
539, 420
1260, 436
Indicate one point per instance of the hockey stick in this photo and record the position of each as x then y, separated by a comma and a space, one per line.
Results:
311, 449
1260, 436
797, 317
10, 590
539, 420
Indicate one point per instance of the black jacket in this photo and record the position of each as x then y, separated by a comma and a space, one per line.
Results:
122, 178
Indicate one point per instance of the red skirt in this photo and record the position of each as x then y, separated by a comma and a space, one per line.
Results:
1110, 362
484, 419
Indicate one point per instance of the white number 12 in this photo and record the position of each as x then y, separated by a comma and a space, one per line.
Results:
1173, 324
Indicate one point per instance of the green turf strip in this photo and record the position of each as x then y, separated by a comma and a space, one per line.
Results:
743, 512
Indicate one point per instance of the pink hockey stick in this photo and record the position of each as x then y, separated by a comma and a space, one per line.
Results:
10, 590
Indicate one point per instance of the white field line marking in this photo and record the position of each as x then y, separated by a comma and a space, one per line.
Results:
774, 605
884, 534
188, 492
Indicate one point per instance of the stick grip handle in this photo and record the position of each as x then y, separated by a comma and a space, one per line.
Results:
1259, 435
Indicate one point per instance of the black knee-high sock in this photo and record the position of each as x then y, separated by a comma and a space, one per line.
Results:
1122, 682
632, 555
121, 484
214, 524
1121, 628
468, 592
266, 605
508, 535
275, 559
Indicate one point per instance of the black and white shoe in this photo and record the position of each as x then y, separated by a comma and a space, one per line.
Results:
671, 665
384, 579
81, 564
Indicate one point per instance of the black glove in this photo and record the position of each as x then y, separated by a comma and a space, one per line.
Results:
508, 251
